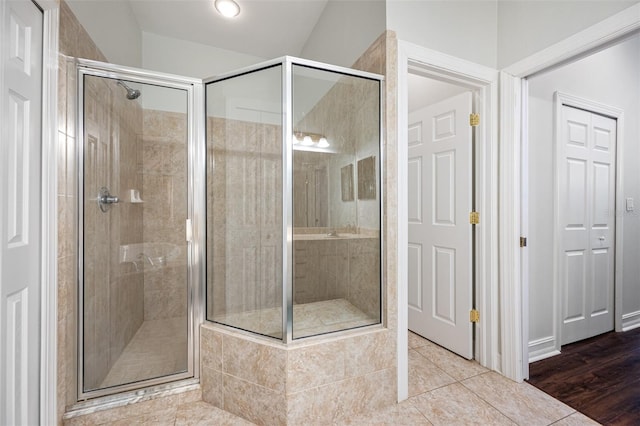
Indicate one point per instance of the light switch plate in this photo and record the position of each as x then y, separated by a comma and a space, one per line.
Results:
629, 204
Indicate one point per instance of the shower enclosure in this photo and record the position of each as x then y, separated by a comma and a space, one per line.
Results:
294, 199
280, 163
137, 271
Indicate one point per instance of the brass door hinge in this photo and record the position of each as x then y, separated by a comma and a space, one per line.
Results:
474, 120
474, 218
523, 241
474, 315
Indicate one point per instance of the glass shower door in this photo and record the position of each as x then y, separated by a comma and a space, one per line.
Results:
134, 302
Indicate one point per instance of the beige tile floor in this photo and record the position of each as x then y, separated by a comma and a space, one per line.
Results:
158, 348
309, 319
444, 389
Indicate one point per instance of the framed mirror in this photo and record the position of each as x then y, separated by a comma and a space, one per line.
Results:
346, 182
367, 178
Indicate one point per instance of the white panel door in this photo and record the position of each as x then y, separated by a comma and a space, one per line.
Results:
586, 173
20, 206
440, 251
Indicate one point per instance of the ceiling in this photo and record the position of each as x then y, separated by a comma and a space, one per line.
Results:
265, 28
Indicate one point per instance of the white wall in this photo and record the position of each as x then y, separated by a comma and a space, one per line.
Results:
185, 58
170, 55
465, 29
344, 31
611, 77
528, 26
112, 27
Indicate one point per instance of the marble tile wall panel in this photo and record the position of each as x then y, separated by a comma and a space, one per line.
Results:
258, 363
75, 42
315, 365
309, 383
212, 383
210, 349
113, 301
364, 275
369, 352
321, 270
260, 405
390, 181
163, 187
332, 402
381, 58
244, 190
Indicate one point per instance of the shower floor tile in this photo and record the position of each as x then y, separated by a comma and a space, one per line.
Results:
159, 348
309, 319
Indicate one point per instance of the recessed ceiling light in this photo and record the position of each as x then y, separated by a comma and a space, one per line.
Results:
227, 8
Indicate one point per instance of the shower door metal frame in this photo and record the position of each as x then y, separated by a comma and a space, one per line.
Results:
194, 228
287, 137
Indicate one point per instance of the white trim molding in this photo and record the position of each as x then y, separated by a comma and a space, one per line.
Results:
584, 43
514, 294
511, 291
542, 348
483, 82
630, 321
49, 267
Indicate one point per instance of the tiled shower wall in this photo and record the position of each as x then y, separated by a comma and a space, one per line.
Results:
116, 305
74, 41
113, 291
245, 248
116, 310
164, 191
355, 136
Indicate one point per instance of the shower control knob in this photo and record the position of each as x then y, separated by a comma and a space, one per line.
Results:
105, 199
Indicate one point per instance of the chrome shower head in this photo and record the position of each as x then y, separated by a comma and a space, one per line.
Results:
131, 93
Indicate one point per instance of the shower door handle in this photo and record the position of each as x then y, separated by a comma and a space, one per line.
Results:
105, 199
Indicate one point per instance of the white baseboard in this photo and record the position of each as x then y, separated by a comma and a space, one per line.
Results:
542, 348
630, 321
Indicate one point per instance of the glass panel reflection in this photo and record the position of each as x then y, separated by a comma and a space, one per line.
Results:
135, 283
244, 202
336, 238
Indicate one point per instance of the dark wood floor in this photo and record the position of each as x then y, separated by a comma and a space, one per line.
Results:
600, 377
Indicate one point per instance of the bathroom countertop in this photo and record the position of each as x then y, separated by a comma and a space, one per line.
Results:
327, 236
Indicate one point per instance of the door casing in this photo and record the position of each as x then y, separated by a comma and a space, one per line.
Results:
483, 81
49, 215
513, 107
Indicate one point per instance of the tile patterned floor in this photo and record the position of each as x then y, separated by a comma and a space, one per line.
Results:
309, 319
158, 348
444, 389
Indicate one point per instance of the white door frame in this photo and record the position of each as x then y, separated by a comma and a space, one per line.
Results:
513, 106
49, 261
49, 244
483, 81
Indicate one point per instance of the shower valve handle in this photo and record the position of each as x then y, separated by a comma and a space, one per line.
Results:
110, 200
105, 199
